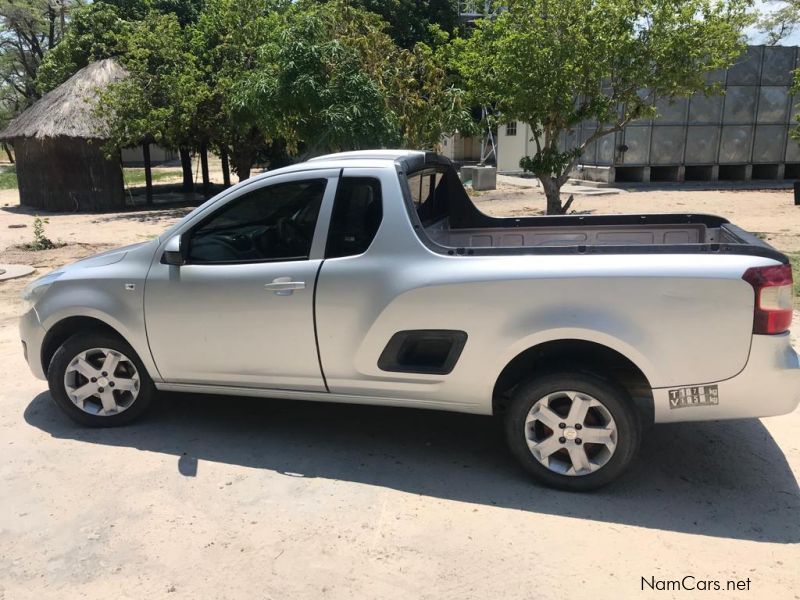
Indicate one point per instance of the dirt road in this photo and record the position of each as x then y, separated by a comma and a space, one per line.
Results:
218, 497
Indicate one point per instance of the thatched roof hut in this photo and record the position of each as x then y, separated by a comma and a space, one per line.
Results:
58, 143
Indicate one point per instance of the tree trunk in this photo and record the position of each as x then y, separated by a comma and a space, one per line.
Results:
148, 174
51, 33
186, 166
552, 191
7, 150
226, 169
242, 162
204, 169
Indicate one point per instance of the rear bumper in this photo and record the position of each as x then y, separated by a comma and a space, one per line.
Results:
769, 385
32, 334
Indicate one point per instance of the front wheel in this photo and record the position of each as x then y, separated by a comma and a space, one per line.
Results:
572, 431
98, 380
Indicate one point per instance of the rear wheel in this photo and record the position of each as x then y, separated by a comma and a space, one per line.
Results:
98, 380
573, 431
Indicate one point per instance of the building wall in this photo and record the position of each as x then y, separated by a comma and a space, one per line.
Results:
513, 141
67, 174
738, 135
461, 148
133, 157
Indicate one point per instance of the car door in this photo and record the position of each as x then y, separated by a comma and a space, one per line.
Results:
240, 310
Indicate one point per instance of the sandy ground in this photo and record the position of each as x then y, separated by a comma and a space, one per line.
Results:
769, 212
238, 498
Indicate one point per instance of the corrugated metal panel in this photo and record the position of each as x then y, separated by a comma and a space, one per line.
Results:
747, 70
637, 140
666, 147
735, 145
702, 144
591, 149
606, 146
671, 111
747, 124
773, 104
769, 143
740, 104
705, 109
779, 61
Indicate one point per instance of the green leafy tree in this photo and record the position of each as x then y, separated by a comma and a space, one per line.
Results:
781, 22
187, 11
315, 83
29, 29
229, 40
103, 29
410, 21
428, 96
333, 79
159, 100
556, 63
96, 31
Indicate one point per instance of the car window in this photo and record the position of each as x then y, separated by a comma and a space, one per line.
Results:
427, 190
357, 213
274, 222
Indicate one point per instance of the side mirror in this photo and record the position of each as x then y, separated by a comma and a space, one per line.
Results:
172, 252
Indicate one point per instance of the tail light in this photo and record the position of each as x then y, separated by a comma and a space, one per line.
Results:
773, 308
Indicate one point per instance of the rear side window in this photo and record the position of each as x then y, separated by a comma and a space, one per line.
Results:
428, 192
357, 214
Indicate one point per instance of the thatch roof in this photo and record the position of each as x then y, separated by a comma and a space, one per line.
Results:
68, 110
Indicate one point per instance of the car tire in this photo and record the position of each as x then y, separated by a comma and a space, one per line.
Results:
123, 392
541, 433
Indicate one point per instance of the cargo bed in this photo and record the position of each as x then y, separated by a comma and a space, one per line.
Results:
606, 230
447, 221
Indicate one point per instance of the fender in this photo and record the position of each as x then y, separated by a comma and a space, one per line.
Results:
572, 333
101, 305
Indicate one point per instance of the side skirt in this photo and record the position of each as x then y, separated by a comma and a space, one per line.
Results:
320, 397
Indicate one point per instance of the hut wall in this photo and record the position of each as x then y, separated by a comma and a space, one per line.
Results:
68, 174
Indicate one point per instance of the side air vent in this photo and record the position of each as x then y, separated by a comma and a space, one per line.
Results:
430, 351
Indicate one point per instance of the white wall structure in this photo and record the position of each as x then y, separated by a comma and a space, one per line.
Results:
460, 148
514, 140
133, 157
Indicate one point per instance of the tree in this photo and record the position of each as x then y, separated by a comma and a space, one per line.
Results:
410, 21
556, 63
187, 11
159, 101
95, 32
103, 29
228, 40
28, 30
428, 96
781, 22
315, 83
333, 79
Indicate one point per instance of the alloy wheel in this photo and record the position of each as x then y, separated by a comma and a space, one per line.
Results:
570, 433
102, 381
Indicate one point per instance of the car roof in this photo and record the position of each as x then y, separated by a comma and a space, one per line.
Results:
410, 159
369, 154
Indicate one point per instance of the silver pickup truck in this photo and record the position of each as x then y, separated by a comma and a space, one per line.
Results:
370, 277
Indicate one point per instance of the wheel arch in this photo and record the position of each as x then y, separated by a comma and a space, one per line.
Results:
66, 327
574, 354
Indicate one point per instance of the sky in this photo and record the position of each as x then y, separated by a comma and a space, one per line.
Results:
755, 38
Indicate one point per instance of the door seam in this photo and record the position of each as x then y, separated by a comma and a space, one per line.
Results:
316, 332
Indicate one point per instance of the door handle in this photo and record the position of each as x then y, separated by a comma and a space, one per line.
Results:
284, 286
